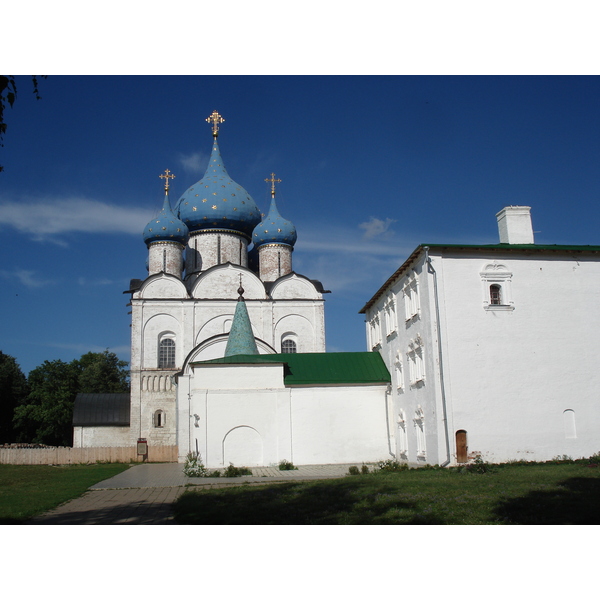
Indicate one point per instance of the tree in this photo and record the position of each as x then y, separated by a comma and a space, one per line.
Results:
46, 417
102, 373
13, 391
8, 95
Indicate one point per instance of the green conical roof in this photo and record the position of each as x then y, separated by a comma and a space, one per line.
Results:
241, 339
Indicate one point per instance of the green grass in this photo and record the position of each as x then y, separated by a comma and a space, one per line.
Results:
511, 494
29, 490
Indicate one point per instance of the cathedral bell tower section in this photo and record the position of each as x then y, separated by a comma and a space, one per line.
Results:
274, 239
165, 237
219, 213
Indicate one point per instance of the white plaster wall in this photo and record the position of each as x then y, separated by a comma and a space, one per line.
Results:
509, 373
223, 282
100, 437
339, 424
513, 373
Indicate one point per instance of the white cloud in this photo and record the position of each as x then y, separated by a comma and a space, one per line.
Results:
194, 163
73, 215
377, 228
27, 278
346, 261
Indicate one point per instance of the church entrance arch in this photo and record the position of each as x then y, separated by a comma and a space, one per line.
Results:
461, 446
243, 447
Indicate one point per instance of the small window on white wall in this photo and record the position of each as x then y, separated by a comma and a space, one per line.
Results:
289, 343
288, 347
411, 297
399, 372
375, 331
416, 362
391, 322
419, 422
166, 352
159, 419
496, 280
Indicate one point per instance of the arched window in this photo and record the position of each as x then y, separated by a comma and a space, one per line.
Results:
159, 419
495, 294
288, 347
166, 353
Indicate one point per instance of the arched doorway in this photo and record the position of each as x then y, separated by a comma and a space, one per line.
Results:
243, 447
461, 446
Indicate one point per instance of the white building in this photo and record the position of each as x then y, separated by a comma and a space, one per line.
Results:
247, 410
492, 349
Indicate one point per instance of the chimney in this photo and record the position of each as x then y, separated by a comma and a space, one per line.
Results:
514, 225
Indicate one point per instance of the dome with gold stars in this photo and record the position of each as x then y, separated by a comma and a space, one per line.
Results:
216, 201
274, 229
166, 227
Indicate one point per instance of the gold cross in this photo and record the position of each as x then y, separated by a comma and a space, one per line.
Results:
273, 182
215, 119
168, 175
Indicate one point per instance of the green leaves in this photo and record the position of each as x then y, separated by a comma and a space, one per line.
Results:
46, 415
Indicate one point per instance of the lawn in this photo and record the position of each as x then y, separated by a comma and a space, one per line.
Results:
509, 494
29, 490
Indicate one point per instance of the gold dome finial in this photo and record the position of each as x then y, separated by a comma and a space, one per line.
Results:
216, 119
168, 175
273, 182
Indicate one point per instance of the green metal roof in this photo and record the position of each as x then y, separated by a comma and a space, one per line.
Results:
320, 368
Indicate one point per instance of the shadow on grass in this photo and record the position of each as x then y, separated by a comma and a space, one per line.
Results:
344, 502
574, 501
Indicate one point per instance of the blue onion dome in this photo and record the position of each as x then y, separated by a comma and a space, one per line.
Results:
166, 227
218, 202
274, 229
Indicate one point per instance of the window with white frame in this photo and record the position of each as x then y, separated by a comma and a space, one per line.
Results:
391, 321
166, 351
402, 436
416, 362
288, 346
419, 422
399, 371
496, 282
375, 331
410, 292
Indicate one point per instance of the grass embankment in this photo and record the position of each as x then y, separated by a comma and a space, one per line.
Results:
510, 494
29, 490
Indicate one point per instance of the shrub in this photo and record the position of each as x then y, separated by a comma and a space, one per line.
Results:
194, 467
353, 470
478, 466
391, 466
364, 469
232, 471
287, 465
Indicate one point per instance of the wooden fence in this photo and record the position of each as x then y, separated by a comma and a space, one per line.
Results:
70, 456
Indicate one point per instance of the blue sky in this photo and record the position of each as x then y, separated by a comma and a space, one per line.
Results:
370, 166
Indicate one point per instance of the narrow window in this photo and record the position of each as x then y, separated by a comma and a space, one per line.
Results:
569, 421
495, 295
288, 347
166, 354
159, 418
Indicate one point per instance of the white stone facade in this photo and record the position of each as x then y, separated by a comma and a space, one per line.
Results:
245, 415
494, 348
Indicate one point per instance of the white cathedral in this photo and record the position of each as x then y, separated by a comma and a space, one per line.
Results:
472, 350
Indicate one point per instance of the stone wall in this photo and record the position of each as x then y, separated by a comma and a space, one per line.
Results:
69, 456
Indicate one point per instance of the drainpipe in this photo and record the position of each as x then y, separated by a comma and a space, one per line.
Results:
431, 270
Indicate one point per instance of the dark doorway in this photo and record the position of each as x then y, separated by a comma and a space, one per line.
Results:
461, 446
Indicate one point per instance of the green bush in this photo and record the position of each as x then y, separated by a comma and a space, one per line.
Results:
353, 470
232, 471
194, 467
364, 469
287, 465
391, 466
